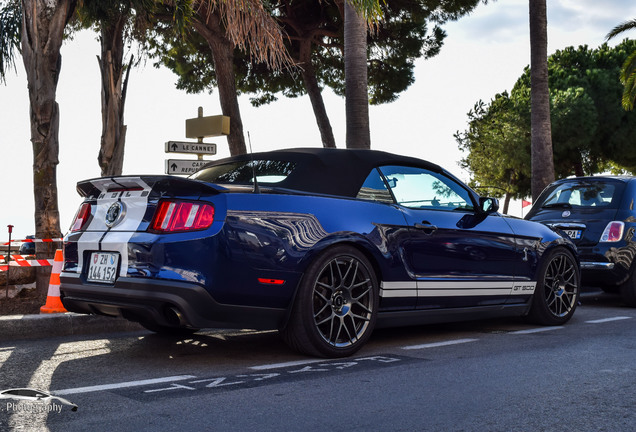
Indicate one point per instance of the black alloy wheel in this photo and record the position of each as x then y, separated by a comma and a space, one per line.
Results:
336, 305
558, 288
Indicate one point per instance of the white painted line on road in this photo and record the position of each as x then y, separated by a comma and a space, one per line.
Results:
286, 364
438, 344
122, 385
604, 320
536, 330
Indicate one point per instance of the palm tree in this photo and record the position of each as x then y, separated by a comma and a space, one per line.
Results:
243, 24
358, 14
628, 71
43, 23
117, 23
540, 127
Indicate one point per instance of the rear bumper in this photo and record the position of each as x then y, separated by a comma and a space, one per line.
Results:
162, 302
605, 266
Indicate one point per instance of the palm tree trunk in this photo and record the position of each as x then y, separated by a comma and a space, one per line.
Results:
540, 129
43, 23
356, 86
209, 26
111, 152
315, 95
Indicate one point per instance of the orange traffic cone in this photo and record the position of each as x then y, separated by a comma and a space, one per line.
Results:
53, 302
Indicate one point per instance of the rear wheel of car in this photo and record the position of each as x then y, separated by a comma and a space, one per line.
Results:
628, 290
558, 287
336, 305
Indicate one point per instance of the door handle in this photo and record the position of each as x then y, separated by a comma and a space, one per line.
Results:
426, 226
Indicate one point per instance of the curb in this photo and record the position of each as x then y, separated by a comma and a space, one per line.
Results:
16, 327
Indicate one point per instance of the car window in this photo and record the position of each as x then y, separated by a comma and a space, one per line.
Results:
242, 172
374, 189
584, 194
420, 188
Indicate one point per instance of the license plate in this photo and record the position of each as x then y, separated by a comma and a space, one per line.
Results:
103, 267
574, 234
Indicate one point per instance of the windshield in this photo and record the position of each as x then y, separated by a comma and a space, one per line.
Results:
585, 194
242, 172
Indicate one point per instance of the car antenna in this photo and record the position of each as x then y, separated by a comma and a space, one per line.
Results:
256, 188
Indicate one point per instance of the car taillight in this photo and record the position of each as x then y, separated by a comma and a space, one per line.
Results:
613, 232
81, 218
175, 216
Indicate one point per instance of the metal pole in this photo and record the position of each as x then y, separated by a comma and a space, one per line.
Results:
8, 260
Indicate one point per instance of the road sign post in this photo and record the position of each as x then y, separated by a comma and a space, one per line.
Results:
199, 127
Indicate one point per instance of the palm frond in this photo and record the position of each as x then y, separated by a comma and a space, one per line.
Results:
621, 28
10, 34
628, 78
251, 28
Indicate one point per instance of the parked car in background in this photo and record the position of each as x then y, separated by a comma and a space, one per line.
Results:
27, 248
599, 216
321, 244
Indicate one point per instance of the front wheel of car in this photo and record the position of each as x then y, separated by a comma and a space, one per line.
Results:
558, 287
336, 305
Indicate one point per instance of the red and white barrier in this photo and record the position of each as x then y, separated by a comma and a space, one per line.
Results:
20, 261
19, 242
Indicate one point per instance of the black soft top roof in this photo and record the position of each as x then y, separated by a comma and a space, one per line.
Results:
330, 171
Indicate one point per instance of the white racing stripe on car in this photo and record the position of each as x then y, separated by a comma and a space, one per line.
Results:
401, 289
398, 289
98, 236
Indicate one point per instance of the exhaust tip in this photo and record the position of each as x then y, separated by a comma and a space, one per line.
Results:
174, 316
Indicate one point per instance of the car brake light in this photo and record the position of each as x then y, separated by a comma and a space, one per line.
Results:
174, 216
613, 232
81, 218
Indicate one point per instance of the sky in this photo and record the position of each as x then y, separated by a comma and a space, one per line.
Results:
484, 54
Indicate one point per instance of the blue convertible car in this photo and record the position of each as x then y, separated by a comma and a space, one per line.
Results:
321, 244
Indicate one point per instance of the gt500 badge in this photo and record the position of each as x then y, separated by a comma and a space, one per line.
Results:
115, 214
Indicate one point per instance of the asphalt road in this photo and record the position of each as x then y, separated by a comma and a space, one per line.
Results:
502, 375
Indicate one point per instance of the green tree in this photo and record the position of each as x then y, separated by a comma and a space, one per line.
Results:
628, 71
498, 132
591, 132
408, 30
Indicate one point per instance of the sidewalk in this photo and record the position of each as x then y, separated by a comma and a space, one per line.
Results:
16, 327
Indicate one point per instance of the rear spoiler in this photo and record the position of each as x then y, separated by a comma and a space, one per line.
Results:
155, 183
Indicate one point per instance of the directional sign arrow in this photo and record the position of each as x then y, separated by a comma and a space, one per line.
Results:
184, 166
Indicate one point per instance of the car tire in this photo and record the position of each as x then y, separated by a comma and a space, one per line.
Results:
558, 288
628, 291
336, 305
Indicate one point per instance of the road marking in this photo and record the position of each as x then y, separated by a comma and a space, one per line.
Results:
286, 364
438, 344
122, 385
536, 330
604, 320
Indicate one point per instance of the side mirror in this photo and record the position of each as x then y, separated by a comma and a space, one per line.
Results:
488, 205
